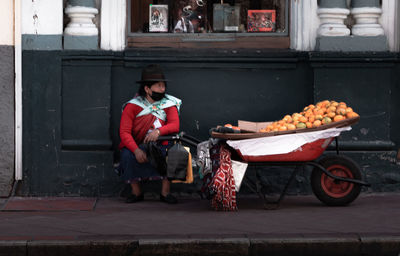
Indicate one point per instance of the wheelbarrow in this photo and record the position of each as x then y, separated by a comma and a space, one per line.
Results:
336, 180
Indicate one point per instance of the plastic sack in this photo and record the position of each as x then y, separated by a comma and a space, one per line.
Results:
189, 170
238, 169
177, 161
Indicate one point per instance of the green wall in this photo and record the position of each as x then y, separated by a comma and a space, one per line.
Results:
72, 106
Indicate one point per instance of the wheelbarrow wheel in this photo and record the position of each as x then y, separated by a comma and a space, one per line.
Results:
336, 193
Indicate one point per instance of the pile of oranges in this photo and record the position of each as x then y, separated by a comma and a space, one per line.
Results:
324, 112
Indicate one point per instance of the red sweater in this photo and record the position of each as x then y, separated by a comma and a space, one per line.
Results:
129, 121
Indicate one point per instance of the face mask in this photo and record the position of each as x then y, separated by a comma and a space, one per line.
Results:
156, 96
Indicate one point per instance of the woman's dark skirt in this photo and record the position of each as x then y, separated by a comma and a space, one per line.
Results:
132, 171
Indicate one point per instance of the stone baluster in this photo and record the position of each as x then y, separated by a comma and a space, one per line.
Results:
366, 14
81, 33
332, 14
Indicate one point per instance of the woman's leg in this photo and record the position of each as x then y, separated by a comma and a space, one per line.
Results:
166, 185
165, 195
136, 189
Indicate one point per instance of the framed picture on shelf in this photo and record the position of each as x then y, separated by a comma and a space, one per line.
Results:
158, 18
226, 18
261, 20
189, 16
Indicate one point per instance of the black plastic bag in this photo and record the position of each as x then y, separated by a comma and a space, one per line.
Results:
177, 162
156, 158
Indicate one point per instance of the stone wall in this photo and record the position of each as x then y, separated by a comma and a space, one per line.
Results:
6, 119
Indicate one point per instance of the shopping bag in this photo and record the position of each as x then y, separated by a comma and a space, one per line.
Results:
177, 162
239, 169
189, 170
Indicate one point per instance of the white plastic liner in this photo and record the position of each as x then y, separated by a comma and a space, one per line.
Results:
282, 144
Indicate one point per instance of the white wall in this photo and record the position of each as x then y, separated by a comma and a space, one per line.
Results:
42, 17
7, 22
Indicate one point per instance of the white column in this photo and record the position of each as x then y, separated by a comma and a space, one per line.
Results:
81, 23
367, 21
332, 22
304, 24
113, 25
390, 22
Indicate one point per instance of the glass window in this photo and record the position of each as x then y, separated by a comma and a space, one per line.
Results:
208, 16
159, 22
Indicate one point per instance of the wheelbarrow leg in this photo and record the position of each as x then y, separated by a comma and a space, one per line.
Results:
276, 204
253, 186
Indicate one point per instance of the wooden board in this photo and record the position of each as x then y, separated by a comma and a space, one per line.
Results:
252, 135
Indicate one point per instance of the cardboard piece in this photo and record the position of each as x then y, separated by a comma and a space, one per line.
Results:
252, 126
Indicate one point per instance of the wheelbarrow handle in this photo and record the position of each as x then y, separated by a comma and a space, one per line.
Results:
181, 137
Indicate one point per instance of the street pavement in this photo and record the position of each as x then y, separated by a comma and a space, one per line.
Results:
301, 226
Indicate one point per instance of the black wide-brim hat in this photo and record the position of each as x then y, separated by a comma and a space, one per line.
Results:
152, 73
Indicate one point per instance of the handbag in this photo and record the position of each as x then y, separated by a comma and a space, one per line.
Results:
156, 158
177, 162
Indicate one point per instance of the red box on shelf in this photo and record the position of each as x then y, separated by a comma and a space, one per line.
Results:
261, 20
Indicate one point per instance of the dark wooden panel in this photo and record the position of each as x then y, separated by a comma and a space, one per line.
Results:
41, 120
86, 98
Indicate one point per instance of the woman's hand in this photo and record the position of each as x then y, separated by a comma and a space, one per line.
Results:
152, 136
140, 156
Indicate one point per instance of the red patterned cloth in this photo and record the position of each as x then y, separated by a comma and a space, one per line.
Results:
223, 184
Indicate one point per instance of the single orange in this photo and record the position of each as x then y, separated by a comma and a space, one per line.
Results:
317, 123
331, 109
288, 119
331, 114
341, 111
351, 114
303, 119
291, 127
338, 118
326, 120
282, 128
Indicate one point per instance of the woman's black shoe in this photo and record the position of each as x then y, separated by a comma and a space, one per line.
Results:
169, 199
134, 198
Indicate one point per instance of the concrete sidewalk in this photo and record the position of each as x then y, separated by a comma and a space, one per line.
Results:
302, 226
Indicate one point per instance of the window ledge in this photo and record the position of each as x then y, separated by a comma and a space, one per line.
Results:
215, 40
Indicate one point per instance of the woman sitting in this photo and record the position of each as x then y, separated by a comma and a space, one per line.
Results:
147, 116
